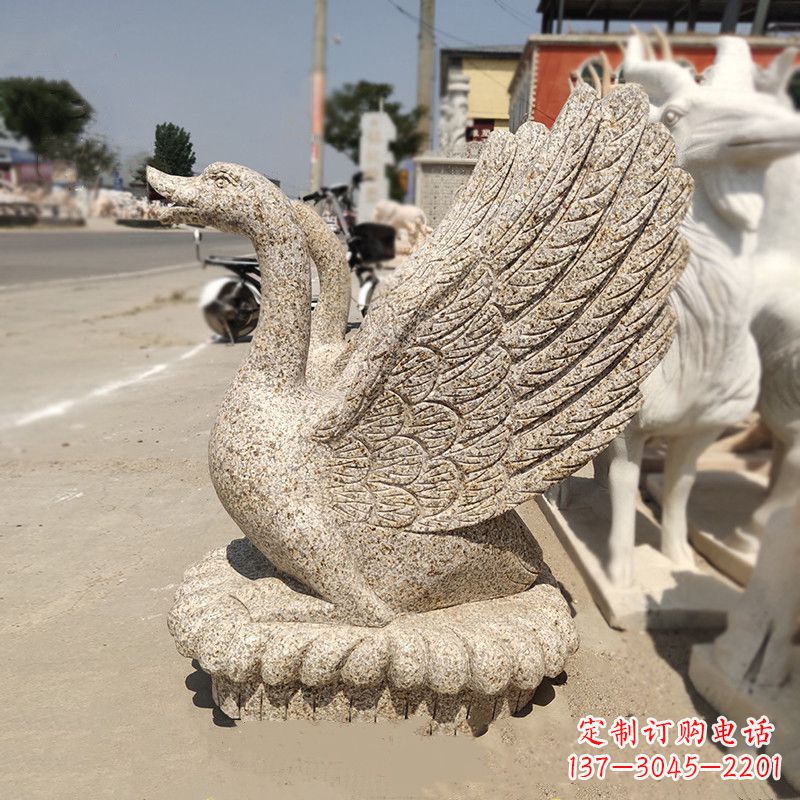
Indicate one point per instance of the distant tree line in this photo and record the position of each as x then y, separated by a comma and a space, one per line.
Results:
52, 116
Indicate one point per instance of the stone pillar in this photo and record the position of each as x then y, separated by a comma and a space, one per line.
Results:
377, 132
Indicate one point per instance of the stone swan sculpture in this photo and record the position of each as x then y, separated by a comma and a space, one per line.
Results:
709, 378
381, 549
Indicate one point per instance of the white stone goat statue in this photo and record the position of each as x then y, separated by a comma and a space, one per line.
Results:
727, 135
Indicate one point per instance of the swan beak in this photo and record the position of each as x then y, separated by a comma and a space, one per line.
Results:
181, 194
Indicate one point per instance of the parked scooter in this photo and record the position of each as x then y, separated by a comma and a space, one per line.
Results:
368, 243
231, 305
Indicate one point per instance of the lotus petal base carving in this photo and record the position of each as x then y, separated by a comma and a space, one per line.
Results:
276, 652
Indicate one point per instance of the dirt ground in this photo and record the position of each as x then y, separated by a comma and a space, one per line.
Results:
109, 392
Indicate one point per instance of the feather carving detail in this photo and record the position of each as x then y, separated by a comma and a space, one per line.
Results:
513, 346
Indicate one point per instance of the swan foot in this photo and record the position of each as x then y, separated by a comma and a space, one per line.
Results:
269, 644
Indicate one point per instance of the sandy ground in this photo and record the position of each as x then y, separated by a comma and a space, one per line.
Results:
109, 392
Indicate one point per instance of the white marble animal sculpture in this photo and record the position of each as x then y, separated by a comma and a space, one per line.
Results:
757, 648
511, 353
454, 115
775, 265
709, 378
403, 217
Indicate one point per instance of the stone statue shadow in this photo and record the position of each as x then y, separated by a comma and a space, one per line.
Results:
674, 646
200, 683
219, 339
543, 696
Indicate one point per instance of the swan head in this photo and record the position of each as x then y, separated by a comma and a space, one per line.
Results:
229, 197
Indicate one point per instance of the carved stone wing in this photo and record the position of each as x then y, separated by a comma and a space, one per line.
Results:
513, 346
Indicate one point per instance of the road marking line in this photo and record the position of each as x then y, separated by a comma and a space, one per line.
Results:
92, 278
193, 352
61, 408
73, 495
114, 386
54, 410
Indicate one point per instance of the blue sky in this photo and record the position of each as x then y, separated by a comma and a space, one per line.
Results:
233, 73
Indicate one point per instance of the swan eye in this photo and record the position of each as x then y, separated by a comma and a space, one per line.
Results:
222, 182
671, 116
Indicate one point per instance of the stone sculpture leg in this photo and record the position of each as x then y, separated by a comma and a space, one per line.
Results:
779, 449
784, 487
601, 464
680, 469
786, 482
762, 625
752, 668
624, 464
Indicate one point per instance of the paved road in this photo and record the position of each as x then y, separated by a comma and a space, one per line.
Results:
33, 257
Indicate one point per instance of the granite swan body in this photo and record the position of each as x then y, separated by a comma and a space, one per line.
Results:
509, 353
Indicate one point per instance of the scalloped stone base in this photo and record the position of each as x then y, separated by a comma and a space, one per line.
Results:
275, 652
464, 713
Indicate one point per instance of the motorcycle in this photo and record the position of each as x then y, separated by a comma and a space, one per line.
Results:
231, 305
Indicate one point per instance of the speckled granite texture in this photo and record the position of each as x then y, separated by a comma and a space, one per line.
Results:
508, 353
279, 655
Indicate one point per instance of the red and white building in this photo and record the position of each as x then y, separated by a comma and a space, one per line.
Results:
541, 83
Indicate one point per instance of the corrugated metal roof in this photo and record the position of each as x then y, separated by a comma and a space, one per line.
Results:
706, 10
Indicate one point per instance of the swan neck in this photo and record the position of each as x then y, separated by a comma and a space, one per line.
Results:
329, 321
279, 348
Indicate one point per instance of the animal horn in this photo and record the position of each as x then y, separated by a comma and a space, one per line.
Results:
607, 73
649, 53
774, 79
666, 47
733, 66
660, 79
598, 86
634, 52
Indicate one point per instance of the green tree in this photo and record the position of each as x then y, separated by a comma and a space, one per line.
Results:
92, 156
172, 153
343, 110
49, 114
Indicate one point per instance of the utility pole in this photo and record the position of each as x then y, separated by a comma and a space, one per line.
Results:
760, 18
318, 93
427, 15
730, 16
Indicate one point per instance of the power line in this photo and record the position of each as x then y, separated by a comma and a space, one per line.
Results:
512, 12
416, 19
491, 77
447, 36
